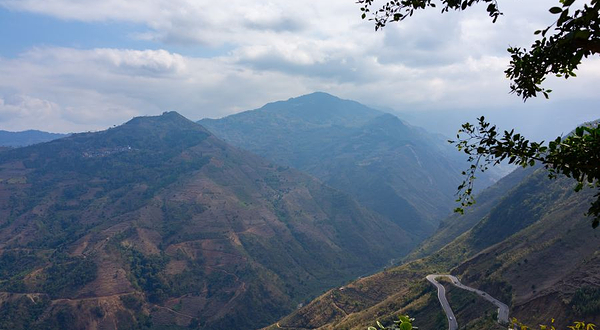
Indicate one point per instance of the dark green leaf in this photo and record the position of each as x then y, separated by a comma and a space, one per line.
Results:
555, 10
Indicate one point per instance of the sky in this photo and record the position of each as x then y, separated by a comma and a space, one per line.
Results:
86, 65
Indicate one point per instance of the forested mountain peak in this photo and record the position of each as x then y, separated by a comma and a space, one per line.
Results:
402, 172
167, 120
309, 111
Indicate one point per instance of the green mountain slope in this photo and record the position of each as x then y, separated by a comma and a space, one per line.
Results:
533, 249
457, 224
400, 171
158, 224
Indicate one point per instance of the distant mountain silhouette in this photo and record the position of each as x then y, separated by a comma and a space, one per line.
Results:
25, 138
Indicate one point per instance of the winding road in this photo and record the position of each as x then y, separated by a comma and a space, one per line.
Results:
452, 324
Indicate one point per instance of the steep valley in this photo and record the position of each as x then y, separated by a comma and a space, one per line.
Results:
533, 249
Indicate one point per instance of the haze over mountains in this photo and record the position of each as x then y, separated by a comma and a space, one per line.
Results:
161, 223
402, 172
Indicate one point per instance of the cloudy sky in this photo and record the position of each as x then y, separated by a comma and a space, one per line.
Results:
78, 65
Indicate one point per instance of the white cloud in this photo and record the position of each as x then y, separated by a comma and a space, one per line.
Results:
23, 106
22, 112
182, 21
279, 49
159, 61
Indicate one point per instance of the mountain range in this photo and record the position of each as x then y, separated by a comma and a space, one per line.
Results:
301, 208
158, 223
402, 172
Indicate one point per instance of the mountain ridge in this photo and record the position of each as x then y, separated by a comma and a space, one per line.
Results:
402, 172
159, 222
27, 137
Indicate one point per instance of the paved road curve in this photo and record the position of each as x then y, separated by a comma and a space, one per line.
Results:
452, 325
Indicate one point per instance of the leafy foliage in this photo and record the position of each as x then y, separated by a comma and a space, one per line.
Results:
398, 10
586, 301
578, 325
576, 156
404, 322
577, 35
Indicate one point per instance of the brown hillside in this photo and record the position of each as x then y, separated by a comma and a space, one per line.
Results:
158, 223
